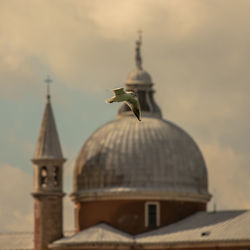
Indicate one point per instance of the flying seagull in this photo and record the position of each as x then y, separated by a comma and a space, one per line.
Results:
129, 98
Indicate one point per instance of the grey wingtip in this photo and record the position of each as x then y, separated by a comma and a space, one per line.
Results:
108, 101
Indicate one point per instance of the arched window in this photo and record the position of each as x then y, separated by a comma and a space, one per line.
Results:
56, 176
152, 214
43, 177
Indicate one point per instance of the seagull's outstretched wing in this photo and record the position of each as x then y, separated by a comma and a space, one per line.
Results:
118, 91
110, 100
135, 106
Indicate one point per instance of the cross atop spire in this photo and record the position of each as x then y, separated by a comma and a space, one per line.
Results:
48, 80
138, 59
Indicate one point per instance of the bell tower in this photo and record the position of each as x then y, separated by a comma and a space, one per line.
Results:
48, 182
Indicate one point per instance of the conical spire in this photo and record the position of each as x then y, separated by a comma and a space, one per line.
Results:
48, 144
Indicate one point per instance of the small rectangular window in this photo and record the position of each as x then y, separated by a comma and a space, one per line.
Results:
152, 214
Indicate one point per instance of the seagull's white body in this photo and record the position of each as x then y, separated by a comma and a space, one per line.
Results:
129, 98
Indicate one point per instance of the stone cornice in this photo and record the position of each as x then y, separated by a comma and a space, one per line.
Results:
43, 194
48, 160
127, 194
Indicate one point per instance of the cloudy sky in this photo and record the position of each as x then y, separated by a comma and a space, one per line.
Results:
197, 52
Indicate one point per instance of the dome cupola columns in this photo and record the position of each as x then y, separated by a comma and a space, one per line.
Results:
141, 83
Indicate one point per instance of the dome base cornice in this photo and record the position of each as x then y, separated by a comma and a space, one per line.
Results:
144, 114
138, 194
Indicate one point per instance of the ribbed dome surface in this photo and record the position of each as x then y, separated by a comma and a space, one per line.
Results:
151, 157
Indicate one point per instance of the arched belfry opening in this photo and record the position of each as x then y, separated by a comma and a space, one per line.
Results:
43, 177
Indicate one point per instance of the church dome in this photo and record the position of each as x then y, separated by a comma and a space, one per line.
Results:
133, 159
151, 159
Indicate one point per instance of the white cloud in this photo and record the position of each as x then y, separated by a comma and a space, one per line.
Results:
73, 40
86, 43
69, 216
228, 173
16, 212
68, 212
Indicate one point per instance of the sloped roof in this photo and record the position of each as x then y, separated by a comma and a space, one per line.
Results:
214, 228
48, 144
203, 227
223, 227
98, 234
14, 241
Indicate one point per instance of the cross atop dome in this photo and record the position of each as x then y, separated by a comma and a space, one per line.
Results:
138, 77
138, 59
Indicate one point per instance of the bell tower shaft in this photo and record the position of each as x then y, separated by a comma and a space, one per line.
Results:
48, 183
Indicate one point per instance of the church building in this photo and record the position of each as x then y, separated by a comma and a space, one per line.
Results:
137, 185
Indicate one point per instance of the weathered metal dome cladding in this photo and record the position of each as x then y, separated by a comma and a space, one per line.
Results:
147, 159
